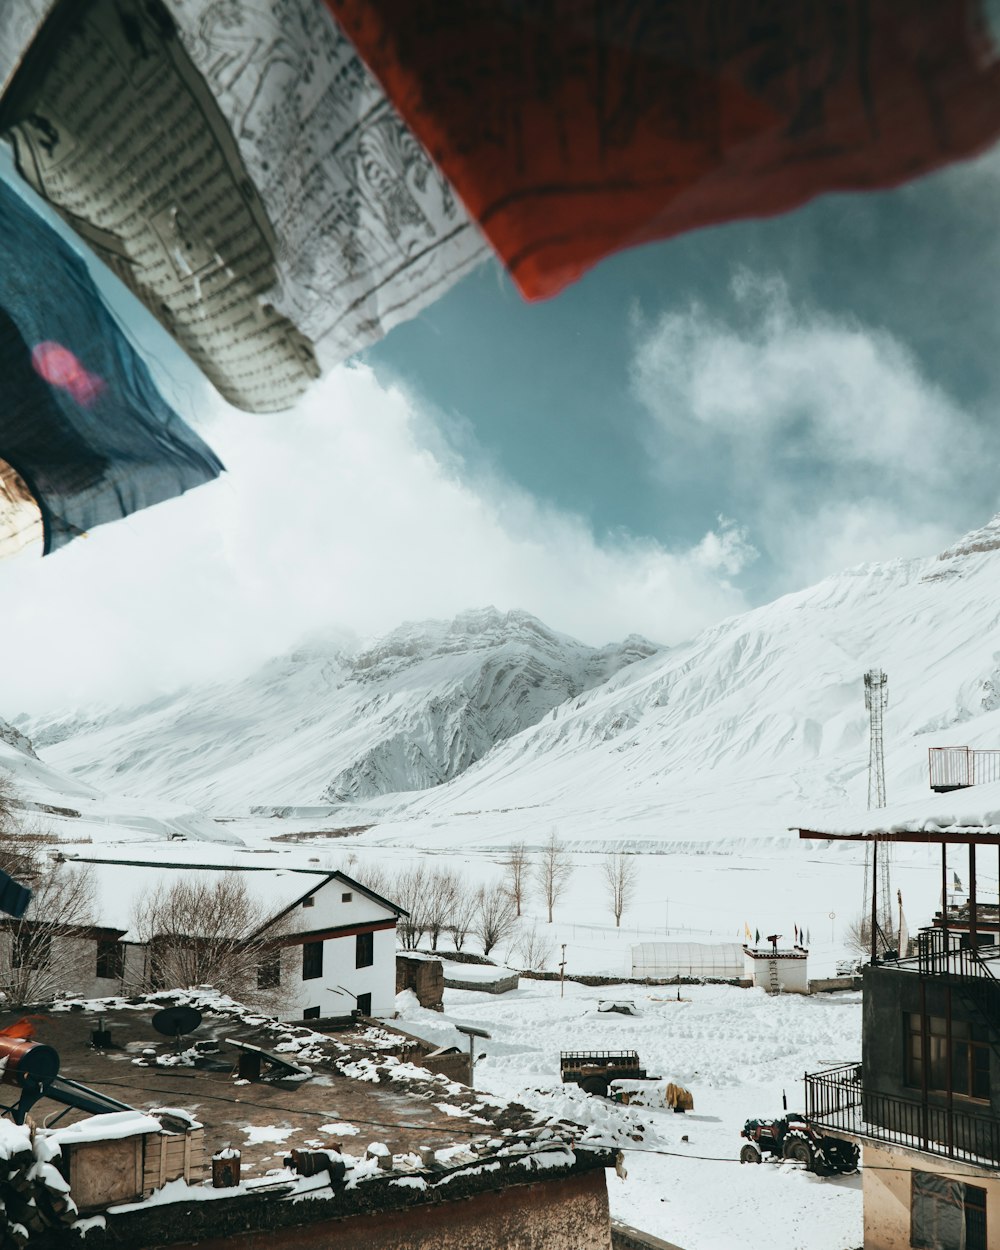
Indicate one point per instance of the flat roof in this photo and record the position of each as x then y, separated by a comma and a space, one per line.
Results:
350, 1101
970, 816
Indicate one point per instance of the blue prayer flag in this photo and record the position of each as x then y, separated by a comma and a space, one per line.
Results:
80, 419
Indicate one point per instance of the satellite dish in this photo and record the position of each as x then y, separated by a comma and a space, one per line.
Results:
176, 1021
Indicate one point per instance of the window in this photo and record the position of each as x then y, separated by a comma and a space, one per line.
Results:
269, 970
365, 1004
946, 1214
110, 960
364, 950
312, 960
309, 901
31, 949
969, 1060
346, 898
311, 1013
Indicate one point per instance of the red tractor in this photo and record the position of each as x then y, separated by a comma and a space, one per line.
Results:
793, 1137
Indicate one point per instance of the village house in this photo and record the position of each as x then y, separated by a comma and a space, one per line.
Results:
924, 1102
324, 944
339, 1139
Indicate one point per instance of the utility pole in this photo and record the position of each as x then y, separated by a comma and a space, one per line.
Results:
562, 972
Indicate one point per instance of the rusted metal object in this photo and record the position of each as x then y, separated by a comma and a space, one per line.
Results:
226, 1169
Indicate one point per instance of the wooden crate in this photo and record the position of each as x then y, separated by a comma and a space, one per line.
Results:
173, 1155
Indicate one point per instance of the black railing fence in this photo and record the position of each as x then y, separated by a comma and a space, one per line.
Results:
836, 1099
938, 955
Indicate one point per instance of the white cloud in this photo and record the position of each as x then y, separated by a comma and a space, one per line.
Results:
839, 449
727, 549
336, 515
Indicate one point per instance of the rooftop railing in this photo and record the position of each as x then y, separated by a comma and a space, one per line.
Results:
938, 954
954, 768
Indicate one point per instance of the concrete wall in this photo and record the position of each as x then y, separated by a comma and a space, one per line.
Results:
339, 969
329, 911
885, 1172
792, 972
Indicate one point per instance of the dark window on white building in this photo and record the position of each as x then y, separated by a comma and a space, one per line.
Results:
364, 950
312, 960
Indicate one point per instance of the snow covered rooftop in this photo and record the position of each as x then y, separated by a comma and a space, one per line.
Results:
974, 812
120, 885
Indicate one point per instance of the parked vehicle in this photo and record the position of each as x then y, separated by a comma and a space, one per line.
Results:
793, 1137
594, 1070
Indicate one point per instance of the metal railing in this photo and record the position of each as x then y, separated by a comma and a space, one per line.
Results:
939, 955
837, 1100
952, 768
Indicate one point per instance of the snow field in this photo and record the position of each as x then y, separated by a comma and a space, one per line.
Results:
736, 1050
688, 898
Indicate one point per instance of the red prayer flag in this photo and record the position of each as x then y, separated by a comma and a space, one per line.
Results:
573, 128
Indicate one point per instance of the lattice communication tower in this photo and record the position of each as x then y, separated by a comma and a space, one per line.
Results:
876, 701
877, 889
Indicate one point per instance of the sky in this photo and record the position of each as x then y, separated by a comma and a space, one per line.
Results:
694, 428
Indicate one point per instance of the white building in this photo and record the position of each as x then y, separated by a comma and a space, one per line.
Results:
779, 970
334, 948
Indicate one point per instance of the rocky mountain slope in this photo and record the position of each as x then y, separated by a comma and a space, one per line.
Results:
320, 725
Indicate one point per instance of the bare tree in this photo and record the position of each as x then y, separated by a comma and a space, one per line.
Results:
495, 919
517, 865
620, 873
211, 931
534, 949
553, 871
463, 914
45, 952
858, 934
439, 902
409, 888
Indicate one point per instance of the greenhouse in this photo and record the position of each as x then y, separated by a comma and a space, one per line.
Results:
663, 960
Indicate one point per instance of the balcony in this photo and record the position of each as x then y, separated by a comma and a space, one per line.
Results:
954, 768
836, 1101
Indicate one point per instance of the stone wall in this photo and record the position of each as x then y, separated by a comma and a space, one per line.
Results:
425, 977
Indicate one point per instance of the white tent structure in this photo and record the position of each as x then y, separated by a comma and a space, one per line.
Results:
663, 960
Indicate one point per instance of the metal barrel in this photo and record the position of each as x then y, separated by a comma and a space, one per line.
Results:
27, 1060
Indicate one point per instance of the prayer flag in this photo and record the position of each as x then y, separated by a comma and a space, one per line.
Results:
85, 437
578, 127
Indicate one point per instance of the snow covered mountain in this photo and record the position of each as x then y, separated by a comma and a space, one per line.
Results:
493, 728
323, 725
759, 720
